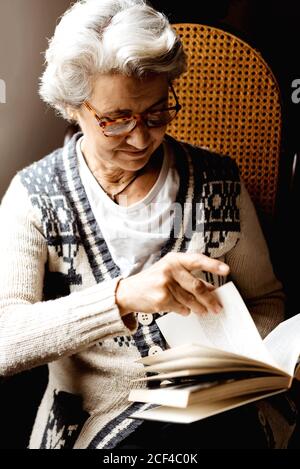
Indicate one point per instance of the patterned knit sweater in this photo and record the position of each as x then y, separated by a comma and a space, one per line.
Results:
58, 281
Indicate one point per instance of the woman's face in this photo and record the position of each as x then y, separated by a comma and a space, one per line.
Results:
113, 96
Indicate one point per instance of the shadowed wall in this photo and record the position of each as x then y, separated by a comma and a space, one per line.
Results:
28, 130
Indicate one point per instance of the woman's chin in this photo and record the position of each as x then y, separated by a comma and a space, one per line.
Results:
134, 161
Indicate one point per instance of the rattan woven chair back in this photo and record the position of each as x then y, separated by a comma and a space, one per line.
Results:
231, 105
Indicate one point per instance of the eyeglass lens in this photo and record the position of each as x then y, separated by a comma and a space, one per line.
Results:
151, 119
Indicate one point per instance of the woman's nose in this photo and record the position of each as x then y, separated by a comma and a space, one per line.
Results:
139, 137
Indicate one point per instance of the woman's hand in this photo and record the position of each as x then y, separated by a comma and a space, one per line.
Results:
168, 285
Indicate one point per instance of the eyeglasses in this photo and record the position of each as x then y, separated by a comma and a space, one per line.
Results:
124, 125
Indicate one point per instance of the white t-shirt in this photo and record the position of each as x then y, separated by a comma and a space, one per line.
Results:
134, 234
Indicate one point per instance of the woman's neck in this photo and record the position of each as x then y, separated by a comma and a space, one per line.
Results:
104, 172
113, 179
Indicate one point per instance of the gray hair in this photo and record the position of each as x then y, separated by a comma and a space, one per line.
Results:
104, 37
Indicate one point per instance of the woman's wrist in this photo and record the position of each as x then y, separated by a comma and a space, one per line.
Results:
121, 298
126, 314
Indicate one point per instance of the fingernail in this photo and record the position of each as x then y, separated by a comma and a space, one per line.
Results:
223, 268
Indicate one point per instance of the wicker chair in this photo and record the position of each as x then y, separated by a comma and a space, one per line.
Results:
231, 105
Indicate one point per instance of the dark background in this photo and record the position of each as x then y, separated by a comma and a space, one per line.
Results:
273, 27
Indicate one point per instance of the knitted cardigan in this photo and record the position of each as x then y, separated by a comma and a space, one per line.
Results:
58, 282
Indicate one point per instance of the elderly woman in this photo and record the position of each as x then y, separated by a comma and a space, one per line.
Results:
95, 239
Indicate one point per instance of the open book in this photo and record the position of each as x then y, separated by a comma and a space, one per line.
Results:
216, 362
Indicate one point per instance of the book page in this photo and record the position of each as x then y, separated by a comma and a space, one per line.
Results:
196, 412
206, 372
284, 343
189, 350
233, 330
194, 362
210, 364
184, 395
174, 395
204, 355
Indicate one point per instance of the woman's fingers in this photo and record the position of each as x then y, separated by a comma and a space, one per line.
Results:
196, 261
187, 299
176, 305
209, 286
201, 290
169, 285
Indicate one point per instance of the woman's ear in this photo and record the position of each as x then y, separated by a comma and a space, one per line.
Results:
72, 114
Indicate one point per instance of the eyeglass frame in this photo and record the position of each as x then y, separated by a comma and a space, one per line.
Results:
138, 116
